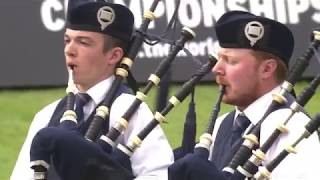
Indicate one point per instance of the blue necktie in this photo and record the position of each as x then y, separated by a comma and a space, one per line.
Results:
81, 100
240, 125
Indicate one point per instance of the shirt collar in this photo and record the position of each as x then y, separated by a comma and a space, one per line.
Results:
257, 109
98, 91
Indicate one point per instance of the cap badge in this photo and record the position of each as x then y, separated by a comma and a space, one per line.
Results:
105, 16
254, 31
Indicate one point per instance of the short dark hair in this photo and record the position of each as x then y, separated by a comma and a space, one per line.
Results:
111, 42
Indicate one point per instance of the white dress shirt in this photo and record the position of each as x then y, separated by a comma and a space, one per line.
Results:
300, 166
150, 161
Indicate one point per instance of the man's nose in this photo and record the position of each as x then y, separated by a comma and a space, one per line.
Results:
69, 49
218, 68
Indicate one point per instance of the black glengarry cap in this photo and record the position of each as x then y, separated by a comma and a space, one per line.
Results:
239, 29
108, 18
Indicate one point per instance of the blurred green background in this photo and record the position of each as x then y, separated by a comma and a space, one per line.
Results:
18, 107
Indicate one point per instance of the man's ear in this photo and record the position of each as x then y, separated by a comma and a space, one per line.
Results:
114, 55
268, 68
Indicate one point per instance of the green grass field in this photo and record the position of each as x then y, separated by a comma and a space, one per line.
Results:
17, 108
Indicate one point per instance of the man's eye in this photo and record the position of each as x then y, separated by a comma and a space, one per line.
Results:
84, 43
232, 61
66, 41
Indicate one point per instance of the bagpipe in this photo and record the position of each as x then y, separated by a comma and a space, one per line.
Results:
281, 99
159, 117
99, 163
250, 167
246, 160
41, 164
154, 79
76, 157
265, 172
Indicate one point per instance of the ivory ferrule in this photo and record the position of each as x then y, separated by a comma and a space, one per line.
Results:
102, 111
263, 174
205, 141
282, 128
122, 72
291, 149
121, 124
154, 79
136, 140
134, 143
255, 160
316, 35
69, 115
127, 61
159, 117
141, 96
250, 140
259, 154
174, 101
149, 15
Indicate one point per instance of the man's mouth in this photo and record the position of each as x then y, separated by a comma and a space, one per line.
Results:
71, 66
221, 82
